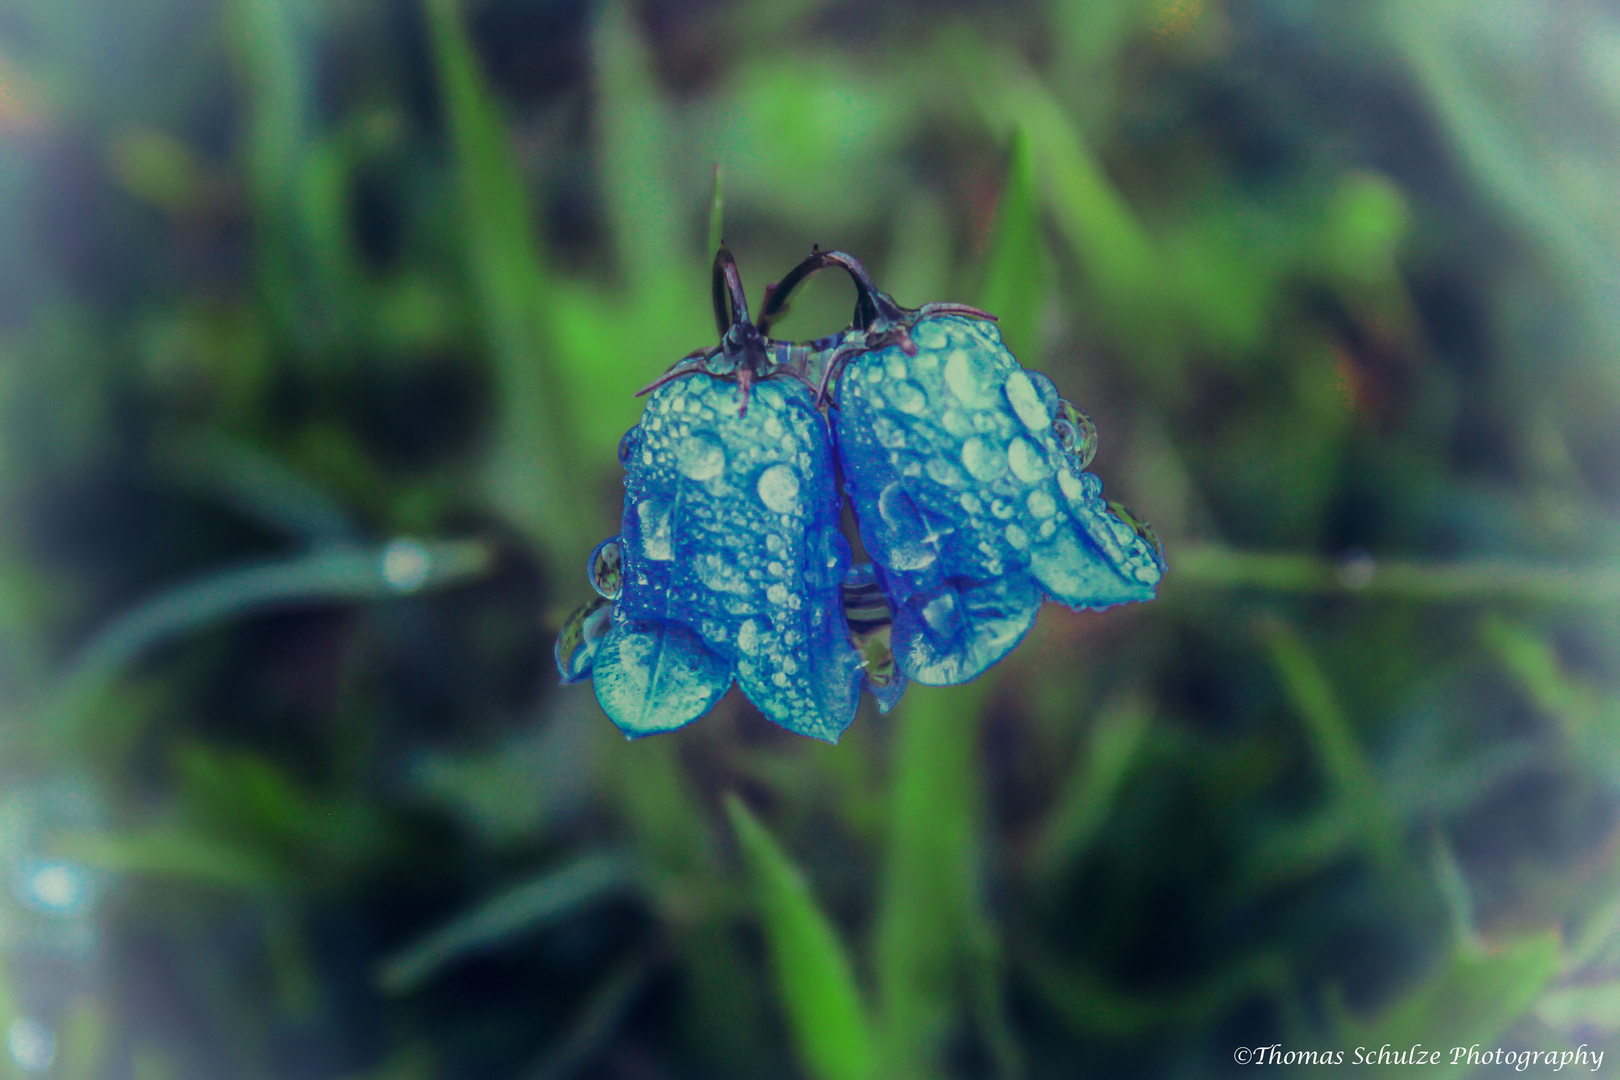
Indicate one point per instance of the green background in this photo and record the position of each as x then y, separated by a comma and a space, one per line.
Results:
319, 326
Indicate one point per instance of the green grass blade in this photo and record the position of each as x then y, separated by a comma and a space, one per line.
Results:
1206, 566
717, 205
1018, 275
927, 909
635, 165
1084, 804
516, 911
1111, 245
528, 477
349, 574
1348, 773
813, 974
1474, 998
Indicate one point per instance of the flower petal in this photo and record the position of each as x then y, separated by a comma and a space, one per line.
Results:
654, 676
731, 529
966, 473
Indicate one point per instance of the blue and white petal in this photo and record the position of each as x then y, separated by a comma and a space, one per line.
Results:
653, 676
973, 501
731, 530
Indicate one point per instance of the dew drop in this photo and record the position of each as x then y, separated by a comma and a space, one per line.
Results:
899, 513
1076, 434
1026, 402
983, 461
1026, 461
943, 472
1041, 504
970, 503
700, 457
653, 516
967, 379
773, 543
940, 613
748, 636
1073, 490
896, 368
1001, 508
908, 397
779, 489
779, 678
1016, 536
888, 433
957, 423
604, 570
777, 594
911, 557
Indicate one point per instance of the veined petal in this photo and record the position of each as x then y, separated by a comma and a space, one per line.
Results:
731, 530
967, 475
654, 676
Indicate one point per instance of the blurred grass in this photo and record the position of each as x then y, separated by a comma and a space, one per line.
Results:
280, 282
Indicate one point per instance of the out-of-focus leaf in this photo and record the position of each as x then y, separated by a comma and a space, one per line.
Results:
717, 206
1088, 795
1018, 272
179, 856
1112, 247
1593, 1006
817, 986
519, 910
929, 891
1532, 661
327, 576
597, 1021
1348, 773
86, 1035
530, 476
635, 167
1206, 566
1089, 1005
1473, 998
256, 484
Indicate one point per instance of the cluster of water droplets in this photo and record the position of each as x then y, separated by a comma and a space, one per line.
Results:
731, 539
967, 475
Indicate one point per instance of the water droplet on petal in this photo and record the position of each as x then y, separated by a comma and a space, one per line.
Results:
1016, 536
899, 513
653, 516
748, 636
1073, 490
1075, 433
1041, 504
1027, 462
604, 571
700, 457
1026, 402
777, 594
908, 397
911, 557
965, 374
1139, 527
970, 503
982, 460
773, 543
779, 489
943, 472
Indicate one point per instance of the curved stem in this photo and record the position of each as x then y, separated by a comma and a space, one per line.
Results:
728, 282
871, 303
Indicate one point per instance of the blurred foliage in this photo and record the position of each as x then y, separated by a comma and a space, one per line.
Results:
319, 326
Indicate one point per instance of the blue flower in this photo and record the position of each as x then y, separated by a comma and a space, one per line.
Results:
730, 563
967, 476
